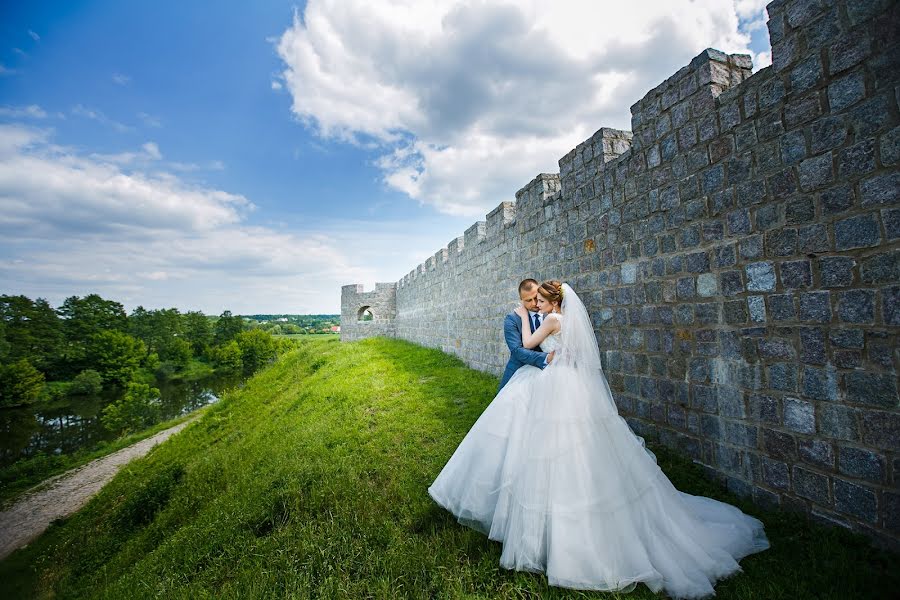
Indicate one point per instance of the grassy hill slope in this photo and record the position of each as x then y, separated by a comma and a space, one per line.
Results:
311, 482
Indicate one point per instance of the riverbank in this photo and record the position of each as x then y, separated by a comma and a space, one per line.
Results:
311, 481
64, 494
67, 433
17, 478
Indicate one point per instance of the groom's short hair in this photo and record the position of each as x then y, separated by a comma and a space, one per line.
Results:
526, 284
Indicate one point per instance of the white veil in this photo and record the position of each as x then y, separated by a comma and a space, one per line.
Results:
578, 343
579, 349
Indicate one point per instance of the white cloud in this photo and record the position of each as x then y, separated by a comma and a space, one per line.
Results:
34, 36
80, 110
32, 111
467, 101
75, 224
121, 79
4, 70
149, 120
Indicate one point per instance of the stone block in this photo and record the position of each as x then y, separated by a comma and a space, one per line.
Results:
880, 189
846, 91
856, 160
836, 271
756, 307
812, 345
783, 377
816, 452
836, 200
820, 384
840, 422
781, 307
872, 389
815, 307
855, 500
827, 133
815, 173
811, 485
751, 247
881, 430
846, 338
799, 415
881, 268
778, 444
861, 463
806, 74
760, 277
803, 210
776, 474
796, 274
856, 306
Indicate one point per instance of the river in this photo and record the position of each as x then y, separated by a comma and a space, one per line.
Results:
73, 424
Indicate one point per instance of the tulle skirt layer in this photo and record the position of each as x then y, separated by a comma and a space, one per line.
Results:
553, 472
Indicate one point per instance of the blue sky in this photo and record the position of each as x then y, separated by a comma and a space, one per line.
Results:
255, 157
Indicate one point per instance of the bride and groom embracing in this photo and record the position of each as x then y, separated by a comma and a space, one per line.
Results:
553, 472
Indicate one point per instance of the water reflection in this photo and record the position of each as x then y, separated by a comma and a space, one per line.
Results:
71, 425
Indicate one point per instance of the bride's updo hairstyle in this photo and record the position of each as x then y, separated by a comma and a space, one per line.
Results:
552, 291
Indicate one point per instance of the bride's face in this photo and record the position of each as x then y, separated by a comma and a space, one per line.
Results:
544, 305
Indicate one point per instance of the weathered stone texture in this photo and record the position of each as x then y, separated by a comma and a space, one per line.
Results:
738, 252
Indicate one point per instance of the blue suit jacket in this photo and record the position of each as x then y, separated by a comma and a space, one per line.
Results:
518, 354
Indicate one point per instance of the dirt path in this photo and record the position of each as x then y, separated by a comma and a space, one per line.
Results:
64, 494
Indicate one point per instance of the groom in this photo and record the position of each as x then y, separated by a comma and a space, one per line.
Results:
512, 332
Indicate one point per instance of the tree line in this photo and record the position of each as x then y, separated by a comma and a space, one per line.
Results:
89, 343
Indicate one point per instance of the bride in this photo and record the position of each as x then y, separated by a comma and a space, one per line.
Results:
553, 472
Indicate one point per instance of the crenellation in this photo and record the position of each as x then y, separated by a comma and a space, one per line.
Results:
738, 255
474, 235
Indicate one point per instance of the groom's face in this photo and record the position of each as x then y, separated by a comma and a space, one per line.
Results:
529, 298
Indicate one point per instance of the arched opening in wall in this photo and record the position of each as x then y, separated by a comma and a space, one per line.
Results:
365, 314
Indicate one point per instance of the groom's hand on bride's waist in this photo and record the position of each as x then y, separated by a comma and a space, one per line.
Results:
550, 357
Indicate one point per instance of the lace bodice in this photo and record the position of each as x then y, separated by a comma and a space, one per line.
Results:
553, 341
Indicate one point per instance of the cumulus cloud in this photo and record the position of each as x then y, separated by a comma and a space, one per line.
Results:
120, 79
75, 224
467, 101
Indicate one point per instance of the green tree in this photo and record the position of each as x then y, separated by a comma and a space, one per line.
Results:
178, 352
227, 327
137, 409
20, 383
227, 357
32, 330
84, 317
87, 383
197, 331
257, 348
116, 355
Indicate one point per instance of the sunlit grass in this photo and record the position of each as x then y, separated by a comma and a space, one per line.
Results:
310, 482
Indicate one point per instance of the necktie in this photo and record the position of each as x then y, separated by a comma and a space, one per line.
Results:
537, 322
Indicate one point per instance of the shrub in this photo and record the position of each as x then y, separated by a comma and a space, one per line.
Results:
87, 383
20, 383
137, 409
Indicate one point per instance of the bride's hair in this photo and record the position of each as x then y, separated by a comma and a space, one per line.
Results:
552, 291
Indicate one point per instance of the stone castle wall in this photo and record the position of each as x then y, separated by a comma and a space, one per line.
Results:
739, 254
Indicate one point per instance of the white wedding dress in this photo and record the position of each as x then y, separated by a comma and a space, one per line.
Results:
553, 472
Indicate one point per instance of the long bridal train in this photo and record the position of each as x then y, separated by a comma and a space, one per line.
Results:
553, 472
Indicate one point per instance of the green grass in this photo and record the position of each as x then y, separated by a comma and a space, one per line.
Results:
29, 472
310, 482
